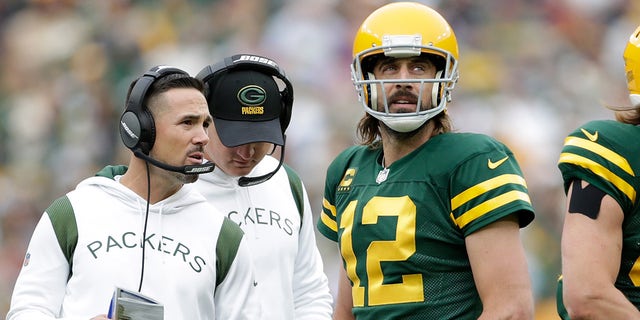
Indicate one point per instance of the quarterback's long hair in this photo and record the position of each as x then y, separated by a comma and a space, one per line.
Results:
629, 115
368, 131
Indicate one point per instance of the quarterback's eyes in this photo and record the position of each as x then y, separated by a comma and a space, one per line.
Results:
419, 68
388, 68
416, 67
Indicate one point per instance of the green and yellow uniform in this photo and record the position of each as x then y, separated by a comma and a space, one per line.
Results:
402, 240
606, 154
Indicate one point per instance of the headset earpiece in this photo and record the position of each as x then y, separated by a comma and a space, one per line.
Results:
141, 130
137, 128
287, 103
210, 74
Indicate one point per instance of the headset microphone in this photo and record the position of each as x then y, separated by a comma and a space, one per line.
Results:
252, 181
188, 169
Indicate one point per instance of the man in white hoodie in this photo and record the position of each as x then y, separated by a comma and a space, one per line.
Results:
259, 192
142, 228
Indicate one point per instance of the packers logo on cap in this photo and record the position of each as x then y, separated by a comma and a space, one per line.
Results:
252, 98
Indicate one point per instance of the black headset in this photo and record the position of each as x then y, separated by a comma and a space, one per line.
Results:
137, 129
212, 73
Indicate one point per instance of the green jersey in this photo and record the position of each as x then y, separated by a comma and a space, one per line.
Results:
606, 154
401, 231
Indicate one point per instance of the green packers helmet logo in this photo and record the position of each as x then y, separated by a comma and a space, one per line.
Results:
252, 95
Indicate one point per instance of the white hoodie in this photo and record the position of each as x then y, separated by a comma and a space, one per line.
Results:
183, 252
288, 266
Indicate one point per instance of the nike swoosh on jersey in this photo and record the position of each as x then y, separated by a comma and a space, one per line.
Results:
492, 165
592, 137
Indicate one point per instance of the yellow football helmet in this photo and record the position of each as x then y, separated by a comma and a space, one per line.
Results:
632, 67
405, 29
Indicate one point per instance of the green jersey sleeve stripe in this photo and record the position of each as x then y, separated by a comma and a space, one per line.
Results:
604, 152
489, 205
601, 171
481, 188
64, 225
226, 249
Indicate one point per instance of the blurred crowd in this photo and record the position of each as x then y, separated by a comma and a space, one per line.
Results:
531, 70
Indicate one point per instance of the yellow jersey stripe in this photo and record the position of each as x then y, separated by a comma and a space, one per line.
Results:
485, 186
331, 208
329, 221
604, 152
489, 205
601, 171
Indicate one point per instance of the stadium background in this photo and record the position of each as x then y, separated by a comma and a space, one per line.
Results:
531, 70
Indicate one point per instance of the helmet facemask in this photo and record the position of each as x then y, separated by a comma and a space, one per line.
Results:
405, 30
404, 46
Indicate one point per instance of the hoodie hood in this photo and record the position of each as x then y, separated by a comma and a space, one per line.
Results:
221, 179
108, 179
235, 201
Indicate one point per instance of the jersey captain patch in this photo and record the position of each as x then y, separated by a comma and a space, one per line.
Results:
347, 179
